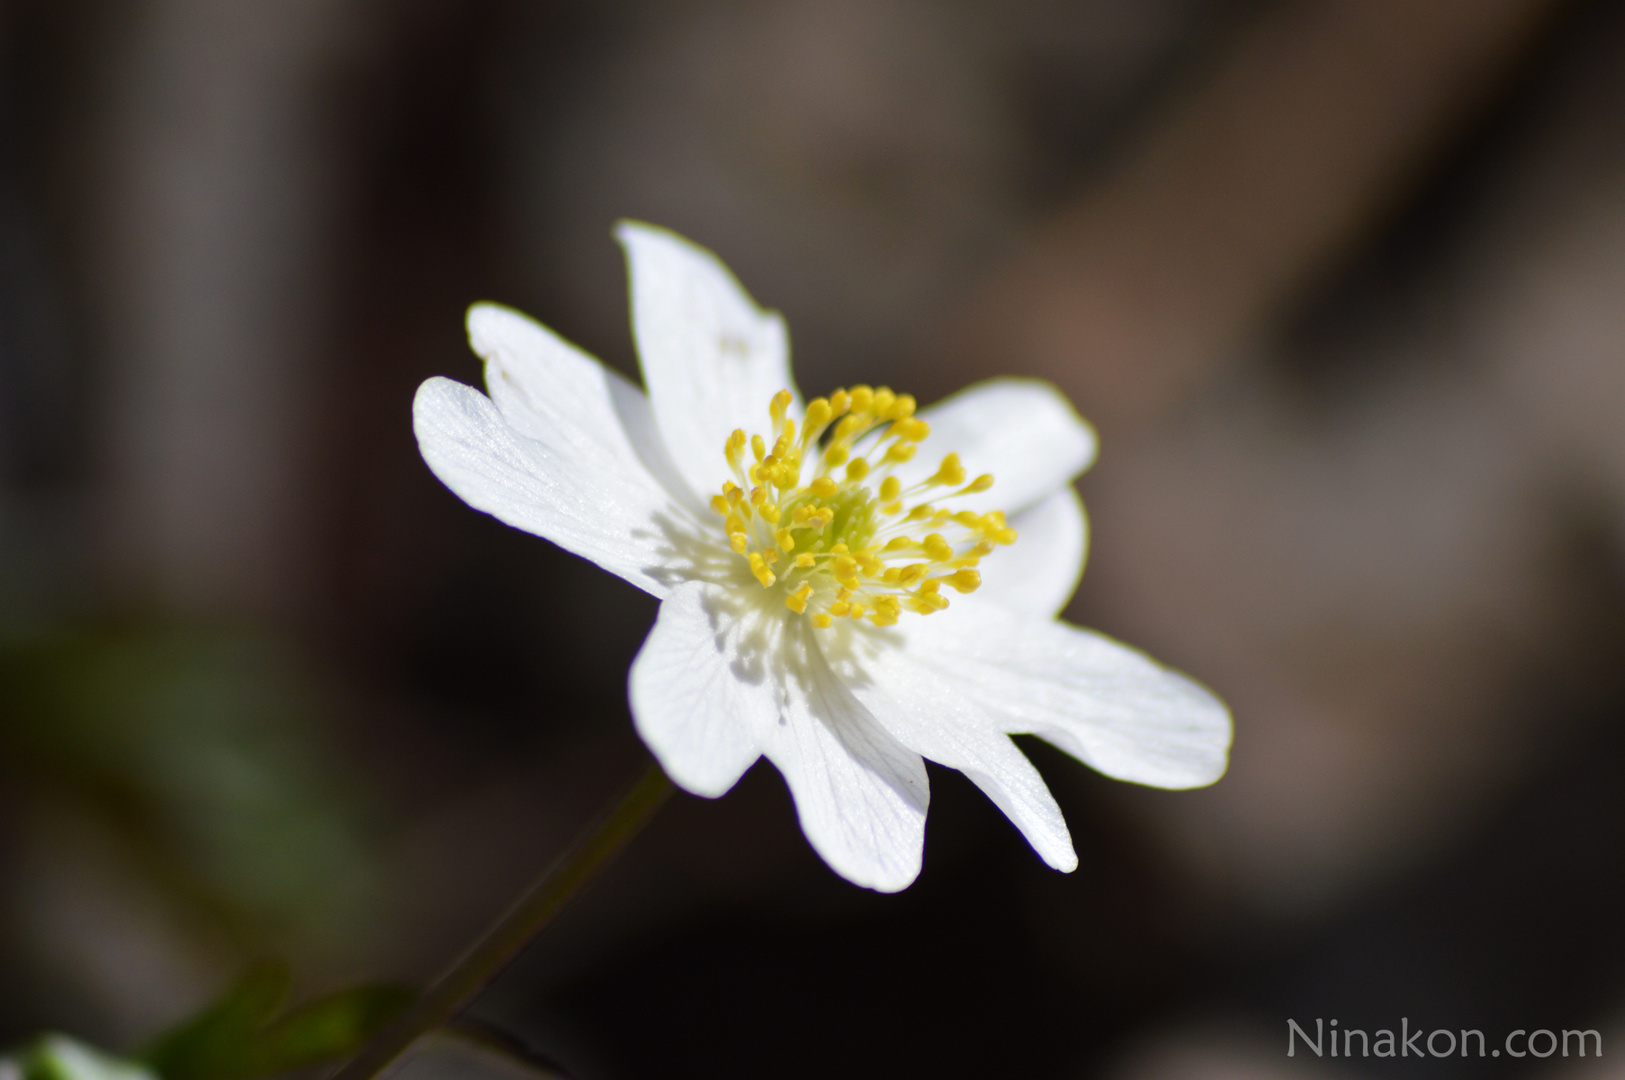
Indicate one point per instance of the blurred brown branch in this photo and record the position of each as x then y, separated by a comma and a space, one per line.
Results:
1318, 120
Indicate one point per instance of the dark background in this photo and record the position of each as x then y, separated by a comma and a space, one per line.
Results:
1342, 285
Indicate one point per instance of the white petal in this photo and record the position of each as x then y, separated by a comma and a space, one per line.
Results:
693, 704
564, 489
860, 795
552, 391
1023, 431
712, 360
931, 718
1104, 703
721, 679
1038, 574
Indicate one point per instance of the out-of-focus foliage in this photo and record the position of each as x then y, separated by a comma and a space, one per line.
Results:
199, 750
245, 1035
57, 1057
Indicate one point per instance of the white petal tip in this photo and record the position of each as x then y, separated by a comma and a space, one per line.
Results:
891, 883
490, 324
632, 233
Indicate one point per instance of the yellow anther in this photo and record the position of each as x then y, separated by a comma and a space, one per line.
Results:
950, 472
911, 430
850, 425
893, 574
778, 406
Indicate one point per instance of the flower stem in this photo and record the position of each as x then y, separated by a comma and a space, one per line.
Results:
505, 940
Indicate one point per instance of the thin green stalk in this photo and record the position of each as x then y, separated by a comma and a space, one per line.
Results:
493, 952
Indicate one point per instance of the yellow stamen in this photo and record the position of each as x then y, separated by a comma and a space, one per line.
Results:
833, 546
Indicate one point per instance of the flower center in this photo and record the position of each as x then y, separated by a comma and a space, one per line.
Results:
853, 542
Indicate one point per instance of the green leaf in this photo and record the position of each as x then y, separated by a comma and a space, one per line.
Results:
218, 1043
242, 1037
329, 1028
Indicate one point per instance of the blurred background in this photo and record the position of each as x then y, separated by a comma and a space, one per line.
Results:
1341, 282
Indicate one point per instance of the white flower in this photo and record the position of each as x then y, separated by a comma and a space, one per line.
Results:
820, 601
